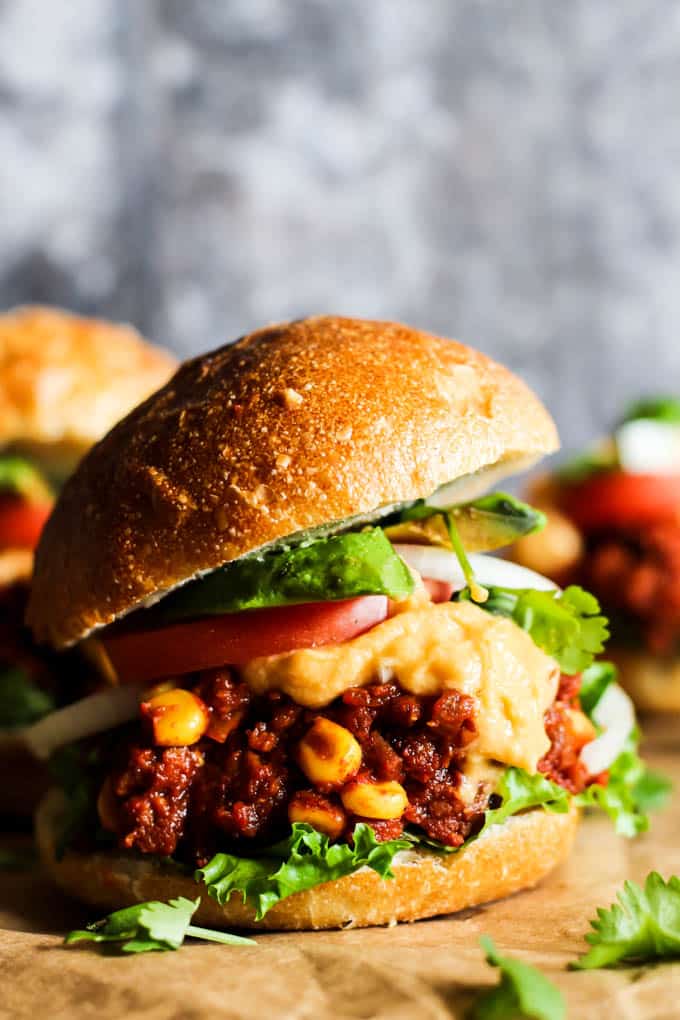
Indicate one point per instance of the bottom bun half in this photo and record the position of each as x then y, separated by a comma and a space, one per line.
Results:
514, 856
653, 682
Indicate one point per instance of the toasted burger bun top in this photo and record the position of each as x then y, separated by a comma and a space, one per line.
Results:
65, 380
293, 427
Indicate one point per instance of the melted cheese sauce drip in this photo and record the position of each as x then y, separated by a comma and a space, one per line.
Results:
428, 649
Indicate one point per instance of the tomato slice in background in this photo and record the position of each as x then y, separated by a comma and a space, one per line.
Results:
439, 591
617, 499
21, 522
236, 638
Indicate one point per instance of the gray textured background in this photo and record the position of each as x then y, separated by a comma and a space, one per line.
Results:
507, 172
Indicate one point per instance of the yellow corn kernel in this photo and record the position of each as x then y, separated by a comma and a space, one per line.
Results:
328, 754
581, 726
375, 800
178, 717
325, 817
107, 807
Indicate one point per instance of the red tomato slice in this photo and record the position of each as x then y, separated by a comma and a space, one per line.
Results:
617, 499
21, 522
439, 591
236, 638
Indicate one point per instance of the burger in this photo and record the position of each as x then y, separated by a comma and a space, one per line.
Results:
327, 707
64, 381
614, 526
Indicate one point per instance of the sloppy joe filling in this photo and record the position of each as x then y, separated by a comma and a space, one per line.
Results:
377, 753
635, 573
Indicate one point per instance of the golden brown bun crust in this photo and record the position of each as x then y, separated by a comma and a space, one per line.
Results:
511, 857
66, 380
293, 427
652, 682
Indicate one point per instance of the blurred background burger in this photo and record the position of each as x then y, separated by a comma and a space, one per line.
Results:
64, 382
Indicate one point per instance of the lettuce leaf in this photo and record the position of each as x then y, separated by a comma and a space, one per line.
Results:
567, 625
631, 792
523, 991
520, 791
632, 789
303, 860
643, 926
22, 701
20, 478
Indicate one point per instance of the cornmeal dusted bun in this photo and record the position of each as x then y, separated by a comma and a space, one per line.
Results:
509, 857
293, 427
653, 682
65, 380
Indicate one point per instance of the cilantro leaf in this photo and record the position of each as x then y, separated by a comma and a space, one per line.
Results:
22, 701
523, 991
631, 791
644, 925
304, 860
566, 625
152, 926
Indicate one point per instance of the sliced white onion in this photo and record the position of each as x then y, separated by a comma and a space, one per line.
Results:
442, 565
649, 447
94, 714
616, 715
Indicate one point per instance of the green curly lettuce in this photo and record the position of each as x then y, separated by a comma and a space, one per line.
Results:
305, 859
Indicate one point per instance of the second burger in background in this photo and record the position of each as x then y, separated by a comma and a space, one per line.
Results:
614, 526
64, 381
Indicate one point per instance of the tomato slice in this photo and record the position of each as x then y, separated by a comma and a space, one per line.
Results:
236, 638
21, 522
439, 591
617, 499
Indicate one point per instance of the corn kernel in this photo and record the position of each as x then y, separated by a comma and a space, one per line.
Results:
328, 754
317, 812
581, 727
178, 717
375, 800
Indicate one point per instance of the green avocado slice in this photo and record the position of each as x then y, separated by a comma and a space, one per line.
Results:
483, 524
340, 567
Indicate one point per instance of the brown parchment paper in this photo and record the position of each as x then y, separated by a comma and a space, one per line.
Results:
429, 971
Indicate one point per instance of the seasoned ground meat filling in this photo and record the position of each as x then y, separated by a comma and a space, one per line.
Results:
245, 781
636, 575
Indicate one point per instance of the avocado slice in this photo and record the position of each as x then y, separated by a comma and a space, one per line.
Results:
339, 567
483, 524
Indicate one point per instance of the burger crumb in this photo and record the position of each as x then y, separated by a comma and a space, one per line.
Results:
291, 398
283, 461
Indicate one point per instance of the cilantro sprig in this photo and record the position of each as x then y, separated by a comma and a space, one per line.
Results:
567, 625
522, 992
151, 926
644, 925
303, 860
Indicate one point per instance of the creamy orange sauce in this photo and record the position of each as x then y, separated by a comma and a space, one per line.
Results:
427, 649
